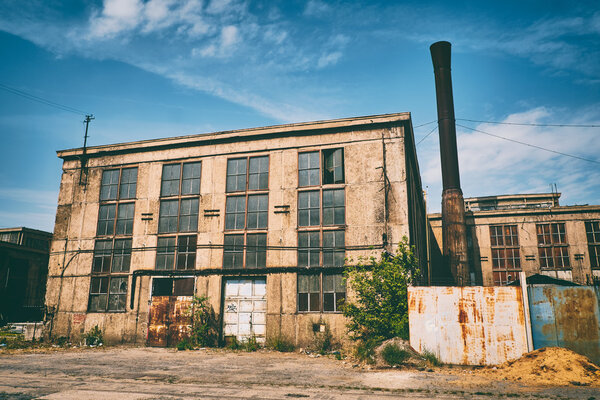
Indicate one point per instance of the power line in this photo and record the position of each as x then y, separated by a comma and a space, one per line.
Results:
41, 100
530, 145
531, 124
425, 137
426, 123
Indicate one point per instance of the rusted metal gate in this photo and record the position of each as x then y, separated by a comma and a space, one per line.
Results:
566, 316
168, 321
245, 308
468, 325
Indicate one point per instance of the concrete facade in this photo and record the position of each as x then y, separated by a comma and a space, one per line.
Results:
574, 244
382, 198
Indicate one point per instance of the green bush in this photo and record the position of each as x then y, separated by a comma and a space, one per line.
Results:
93, 337
250, 344
431, 358
280, 343
323, 342
365, 350
185, 344
205, 327
392, 354
380, 310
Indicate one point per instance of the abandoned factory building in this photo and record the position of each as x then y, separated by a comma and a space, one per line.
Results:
259, 220
533, 233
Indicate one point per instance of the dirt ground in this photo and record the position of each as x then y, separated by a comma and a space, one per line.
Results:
152, 373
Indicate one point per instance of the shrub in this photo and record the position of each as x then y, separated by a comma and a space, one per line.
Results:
250, 344
365, 350
93, 337
431, 358
232, 343
204, 332
280, 343
323, 342
392, 354
185, 344
380, 310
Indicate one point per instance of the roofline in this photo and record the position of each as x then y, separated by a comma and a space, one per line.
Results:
24, 229
514, 196
238, 135
521, 211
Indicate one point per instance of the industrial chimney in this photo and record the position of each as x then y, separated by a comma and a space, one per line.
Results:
454, 229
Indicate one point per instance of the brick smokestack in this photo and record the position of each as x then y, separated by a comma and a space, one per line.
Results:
454, 229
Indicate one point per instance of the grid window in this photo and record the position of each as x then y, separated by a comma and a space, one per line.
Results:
233, 251
128, 184
170, 180
236, 175
102, 256
188, 215
109, 185
117, 293
186, 252
257, 211
309, 249
333, 166
106, 219
308, 169
592, 229
169, 211
258, 175
108, 293
256, 250
334, 208
552, 246
190, 180
321, 292
235, 212
246, 211
98, 294
309, 209
334, 292
333, 248
125, 219
165, 253
121, 255
506, 259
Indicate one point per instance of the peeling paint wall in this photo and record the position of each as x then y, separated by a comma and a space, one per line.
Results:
468, 325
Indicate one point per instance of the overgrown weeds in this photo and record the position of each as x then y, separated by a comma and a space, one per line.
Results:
93, 337
365, 350
280, 343
431, 358
204, 330
393, 355
323, 340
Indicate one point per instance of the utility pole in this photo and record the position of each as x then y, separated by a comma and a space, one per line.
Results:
82, 179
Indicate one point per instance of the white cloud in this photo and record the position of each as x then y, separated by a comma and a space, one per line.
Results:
316, 8
116, 16
329, 59
491, 166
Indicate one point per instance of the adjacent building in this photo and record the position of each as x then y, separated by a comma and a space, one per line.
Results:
507, 234
259, 220
23, 270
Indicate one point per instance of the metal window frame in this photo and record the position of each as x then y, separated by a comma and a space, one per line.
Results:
321, 310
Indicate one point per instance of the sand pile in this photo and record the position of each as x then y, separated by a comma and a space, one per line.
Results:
549, 366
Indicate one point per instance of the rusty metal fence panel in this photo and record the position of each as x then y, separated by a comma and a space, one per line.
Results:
468, 325
566, 316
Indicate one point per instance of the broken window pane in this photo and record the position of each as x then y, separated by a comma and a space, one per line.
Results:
333, 166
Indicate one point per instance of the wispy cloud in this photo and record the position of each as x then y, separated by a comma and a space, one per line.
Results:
29, 207
491, 166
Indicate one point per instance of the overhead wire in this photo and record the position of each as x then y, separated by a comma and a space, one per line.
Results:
41, 100
425, 137
531, 124
530, 145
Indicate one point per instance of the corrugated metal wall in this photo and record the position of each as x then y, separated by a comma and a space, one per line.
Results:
468, 325
566, 316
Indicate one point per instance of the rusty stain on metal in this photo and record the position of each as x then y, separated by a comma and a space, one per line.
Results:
168, 322
468, 325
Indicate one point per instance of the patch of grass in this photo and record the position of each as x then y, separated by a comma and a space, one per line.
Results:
365, 351
281, 343
185, 344
393, 355
323, 342
250, 344
93, 337
431, 358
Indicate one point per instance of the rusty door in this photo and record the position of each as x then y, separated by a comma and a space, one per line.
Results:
168, 321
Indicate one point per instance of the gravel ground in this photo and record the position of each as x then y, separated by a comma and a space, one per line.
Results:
151, 373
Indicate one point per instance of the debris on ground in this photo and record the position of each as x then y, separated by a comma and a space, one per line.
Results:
554, 366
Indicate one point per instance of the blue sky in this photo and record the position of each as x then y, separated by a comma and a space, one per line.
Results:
157, 68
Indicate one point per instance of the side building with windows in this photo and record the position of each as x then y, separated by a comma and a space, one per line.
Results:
261, 221
507, 234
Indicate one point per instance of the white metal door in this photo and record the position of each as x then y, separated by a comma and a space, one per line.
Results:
245, 309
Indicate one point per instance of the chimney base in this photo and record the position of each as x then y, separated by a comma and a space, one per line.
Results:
454, 235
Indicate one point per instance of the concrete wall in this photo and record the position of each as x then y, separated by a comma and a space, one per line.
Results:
468, 325
77, 214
